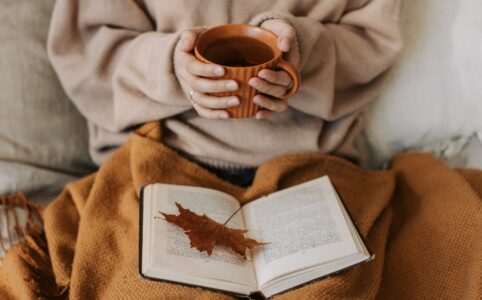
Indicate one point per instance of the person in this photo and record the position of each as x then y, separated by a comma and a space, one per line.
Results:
125, 63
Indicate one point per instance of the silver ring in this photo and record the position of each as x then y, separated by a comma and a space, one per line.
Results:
191, 93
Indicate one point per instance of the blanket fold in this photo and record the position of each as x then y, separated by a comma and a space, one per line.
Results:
422, 220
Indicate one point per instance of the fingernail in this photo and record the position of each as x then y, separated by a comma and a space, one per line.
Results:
285, 44
233, 102
219, 71
262, 75
224, 115
231, 86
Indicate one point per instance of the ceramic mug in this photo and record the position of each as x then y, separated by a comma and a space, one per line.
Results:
243, 50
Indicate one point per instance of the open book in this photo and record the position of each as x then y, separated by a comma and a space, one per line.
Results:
311, 235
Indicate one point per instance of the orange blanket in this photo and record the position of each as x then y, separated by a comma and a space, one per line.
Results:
422, 220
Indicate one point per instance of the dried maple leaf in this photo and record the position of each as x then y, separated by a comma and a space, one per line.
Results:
205, 233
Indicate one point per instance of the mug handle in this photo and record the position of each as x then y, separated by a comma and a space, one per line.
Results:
295, 76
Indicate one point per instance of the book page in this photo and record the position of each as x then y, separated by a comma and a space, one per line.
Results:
304, 225
170, 248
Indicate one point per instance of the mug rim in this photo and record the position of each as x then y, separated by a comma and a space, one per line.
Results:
277, 51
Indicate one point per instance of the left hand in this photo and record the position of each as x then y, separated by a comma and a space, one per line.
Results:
275, 84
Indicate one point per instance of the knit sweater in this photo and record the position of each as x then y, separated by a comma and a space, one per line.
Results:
115, 61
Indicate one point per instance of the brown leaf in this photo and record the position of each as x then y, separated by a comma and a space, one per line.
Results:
205, 233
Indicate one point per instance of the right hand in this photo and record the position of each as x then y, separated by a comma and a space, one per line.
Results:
195, 75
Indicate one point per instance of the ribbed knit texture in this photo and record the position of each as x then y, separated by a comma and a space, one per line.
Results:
422, 220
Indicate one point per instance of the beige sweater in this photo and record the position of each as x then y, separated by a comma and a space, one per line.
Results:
114, 59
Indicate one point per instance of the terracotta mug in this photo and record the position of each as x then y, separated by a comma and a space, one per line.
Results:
243, 50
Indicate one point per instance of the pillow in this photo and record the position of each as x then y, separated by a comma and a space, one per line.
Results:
41, 132
459, 152
434, 94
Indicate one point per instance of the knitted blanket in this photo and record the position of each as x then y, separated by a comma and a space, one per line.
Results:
422, 220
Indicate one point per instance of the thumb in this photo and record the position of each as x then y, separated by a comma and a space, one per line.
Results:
285, 32
188, 39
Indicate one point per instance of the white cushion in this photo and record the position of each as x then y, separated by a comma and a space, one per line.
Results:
43, 139
434, 94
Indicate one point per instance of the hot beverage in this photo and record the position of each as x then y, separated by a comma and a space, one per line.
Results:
238, 52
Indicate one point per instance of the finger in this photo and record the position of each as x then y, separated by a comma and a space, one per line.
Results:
211, 113
197, 68
263, 114
285, 32
285, 43
203, 85
287, 38
265, 87
270, 104
188, 65
213, 102
276, 77
188, 39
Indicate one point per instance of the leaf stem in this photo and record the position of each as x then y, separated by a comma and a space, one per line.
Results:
232, 215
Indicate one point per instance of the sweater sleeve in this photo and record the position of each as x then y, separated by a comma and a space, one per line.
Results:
344, 55
114, 63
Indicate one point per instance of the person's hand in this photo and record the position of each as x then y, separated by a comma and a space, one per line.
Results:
275, 84
195, 75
